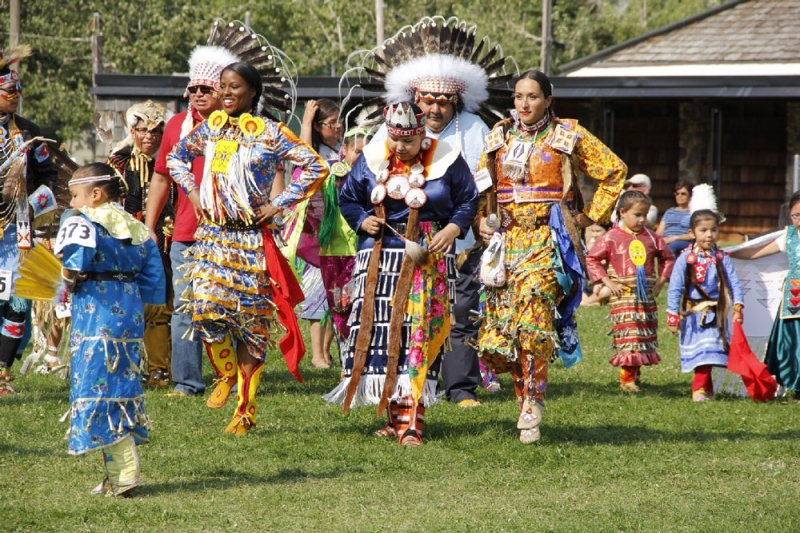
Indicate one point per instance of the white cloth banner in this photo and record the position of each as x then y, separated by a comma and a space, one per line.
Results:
762, 282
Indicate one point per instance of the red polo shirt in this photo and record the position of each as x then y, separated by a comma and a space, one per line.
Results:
185, 220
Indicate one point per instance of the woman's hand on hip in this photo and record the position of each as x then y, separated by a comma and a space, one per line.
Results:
194, 198
265, 212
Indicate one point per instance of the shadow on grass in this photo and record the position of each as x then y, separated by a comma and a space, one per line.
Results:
226, 478
624, 435
8, 449
611, 388
614, 435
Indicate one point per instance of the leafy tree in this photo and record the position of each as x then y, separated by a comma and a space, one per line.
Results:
156, 36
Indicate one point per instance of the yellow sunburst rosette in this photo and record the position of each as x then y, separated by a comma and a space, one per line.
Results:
638, 253
216, 120
251, 126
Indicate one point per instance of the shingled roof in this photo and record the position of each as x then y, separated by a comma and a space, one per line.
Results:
743, 36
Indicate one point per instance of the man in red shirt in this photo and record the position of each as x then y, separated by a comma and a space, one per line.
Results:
205, 65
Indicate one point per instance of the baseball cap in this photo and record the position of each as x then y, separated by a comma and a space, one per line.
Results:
640, 180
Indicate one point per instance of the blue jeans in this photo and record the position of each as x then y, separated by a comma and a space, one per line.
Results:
187, 355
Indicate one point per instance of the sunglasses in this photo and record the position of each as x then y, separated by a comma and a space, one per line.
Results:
205, 89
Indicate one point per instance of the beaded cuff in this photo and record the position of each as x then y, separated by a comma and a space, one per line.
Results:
673, 319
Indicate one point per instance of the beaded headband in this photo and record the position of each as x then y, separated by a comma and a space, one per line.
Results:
437, 97
402, 121
91, 179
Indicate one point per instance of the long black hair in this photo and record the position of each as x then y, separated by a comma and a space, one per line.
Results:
251, 77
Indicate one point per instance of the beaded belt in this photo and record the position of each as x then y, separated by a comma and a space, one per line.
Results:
425, 226
509, 221
237, 224
122, 277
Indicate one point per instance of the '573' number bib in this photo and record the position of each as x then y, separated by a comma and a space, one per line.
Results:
76, 230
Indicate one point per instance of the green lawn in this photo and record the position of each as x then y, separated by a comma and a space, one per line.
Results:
606, 462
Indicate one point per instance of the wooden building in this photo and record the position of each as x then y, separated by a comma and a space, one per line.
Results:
713, 98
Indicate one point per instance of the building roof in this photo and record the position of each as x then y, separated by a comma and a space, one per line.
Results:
116, 85
741, 37
566, 87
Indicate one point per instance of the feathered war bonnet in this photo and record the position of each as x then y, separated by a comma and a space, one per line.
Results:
437, 59
205, 66
703, 198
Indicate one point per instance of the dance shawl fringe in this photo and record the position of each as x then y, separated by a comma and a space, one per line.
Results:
286, 293
367, 314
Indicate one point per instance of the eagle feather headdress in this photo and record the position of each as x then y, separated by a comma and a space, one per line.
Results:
437, 55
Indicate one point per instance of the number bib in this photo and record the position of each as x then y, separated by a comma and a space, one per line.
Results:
6, 276
76, 230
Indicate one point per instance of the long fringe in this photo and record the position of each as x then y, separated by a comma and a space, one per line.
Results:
370, 388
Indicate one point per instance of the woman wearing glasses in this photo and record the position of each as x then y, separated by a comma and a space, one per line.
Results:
323, 131
674, 226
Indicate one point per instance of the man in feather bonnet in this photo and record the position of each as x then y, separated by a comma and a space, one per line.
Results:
205, 65
27, 176
434, 66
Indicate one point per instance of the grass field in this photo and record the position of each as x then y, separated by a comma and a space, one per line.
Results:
606, 462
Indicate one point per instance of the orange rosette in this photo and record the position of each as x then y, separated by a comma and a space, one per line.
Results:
251, 126
216, 120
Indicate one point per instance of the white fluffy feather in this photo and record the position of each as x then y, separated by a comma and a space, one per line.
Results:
215, 57
703, 197
400, 79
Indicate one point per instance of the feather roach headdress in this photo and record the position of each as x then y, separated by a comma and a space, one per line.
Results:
275, 67
440, 59
703, 197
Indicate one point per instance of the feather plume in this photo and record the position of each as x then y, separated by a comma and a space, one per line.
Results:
276, 69
104, 123
414, 251
14, 53
40, 276
703, 197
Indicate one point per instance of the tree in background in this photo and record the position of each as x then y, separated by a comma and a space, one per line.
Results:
156, 36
